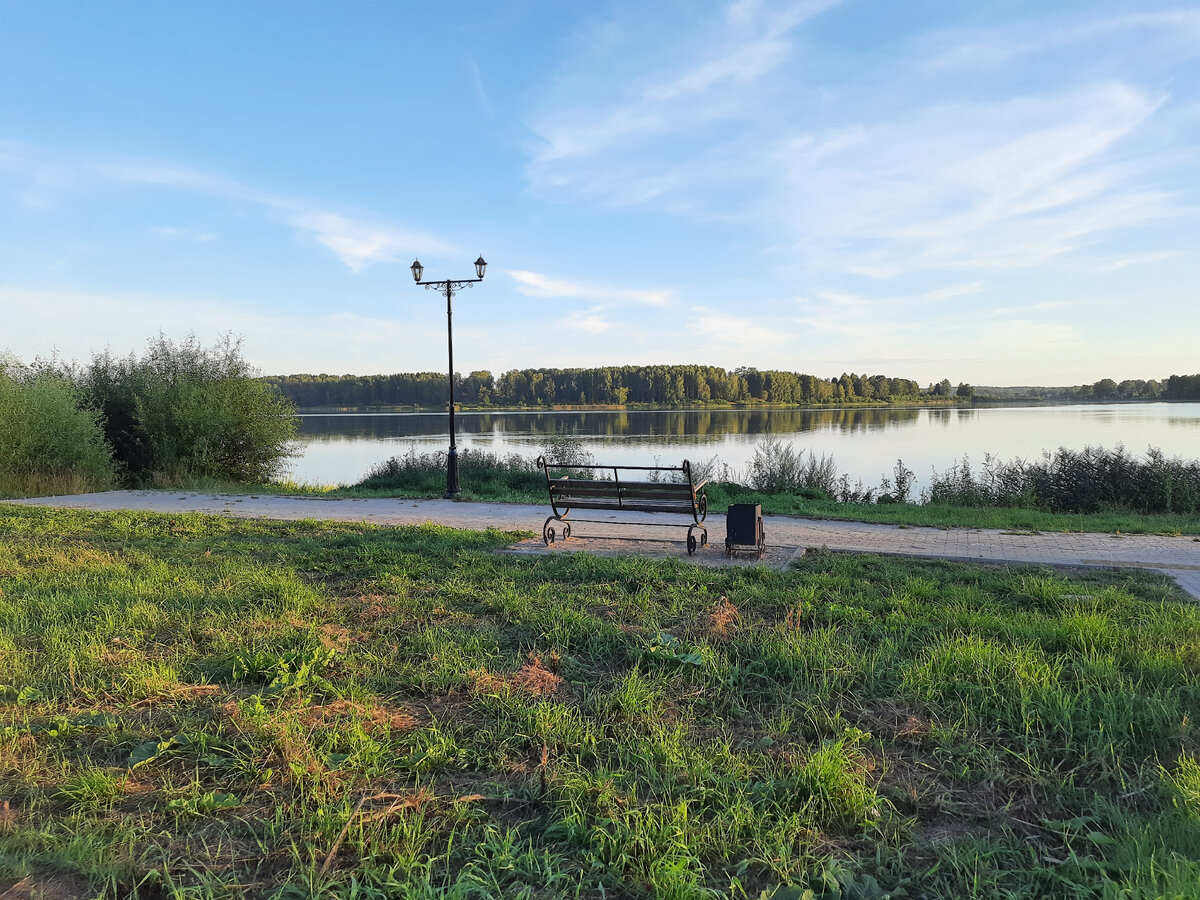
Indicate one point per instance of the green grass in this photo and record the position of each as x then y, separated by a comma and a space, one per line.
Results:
196, 706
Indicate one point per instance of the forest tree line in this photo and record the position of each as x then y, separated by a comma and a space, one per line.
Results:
608, 385
681, 386
1176, 387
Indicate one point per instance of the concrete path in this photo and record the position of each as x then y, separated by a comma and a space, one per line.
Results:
1179, 557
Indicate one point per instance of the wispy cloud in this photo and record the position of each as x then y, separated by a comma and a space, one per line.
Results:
186, 233
536, 284
746, 337
85, 322
1009, 183
358, 243
708, 84
1001, 180
1173, 31
357, 240
589, 322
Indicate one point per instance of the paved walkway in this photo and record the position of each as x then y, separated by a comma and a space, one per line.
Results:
1179, 557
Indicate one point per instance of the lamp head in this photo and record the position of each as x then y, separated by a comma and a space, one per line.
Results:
480, 267
417, 269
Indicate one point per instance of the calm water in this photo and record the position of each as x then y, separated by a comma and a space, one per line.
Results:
865, 442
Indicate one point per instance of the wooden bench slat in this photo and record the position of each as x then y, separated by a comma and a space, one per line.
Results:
681, 506
675, 490
608, 484
618, 495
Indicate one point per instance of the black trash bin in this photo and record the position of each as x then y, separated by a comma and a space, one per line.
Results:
744, 529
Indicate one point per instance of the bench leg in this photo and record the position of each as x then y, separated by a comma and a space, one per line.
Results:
691, 538
548, 532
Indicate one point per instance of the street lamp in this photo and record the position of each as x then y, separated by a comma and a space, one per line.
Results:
449, 288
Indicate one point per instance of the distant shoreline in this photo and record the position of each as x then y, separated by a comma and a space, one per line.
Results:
981, 402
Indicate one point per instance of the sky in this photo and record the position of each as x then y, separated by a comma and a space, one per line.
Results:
991, 192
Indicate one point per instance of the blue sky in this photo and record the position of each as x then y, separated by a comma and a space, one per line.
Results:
999, 193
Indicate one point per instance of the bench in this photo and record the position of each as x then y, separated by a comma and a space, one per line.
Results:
624, 494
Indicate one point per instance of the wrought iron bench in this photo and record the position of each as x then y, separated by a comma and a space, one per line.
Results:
569, 493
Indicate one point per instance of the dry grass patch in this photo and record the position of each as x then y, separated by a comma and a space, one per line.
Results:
534, 678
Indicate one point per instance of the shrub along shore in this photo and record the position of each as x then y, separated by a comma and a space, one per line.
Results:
178, 412
185, 415
196, 706
1089, 490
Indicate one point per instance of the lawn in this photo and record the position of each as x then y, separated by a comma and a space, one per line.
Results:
196, 706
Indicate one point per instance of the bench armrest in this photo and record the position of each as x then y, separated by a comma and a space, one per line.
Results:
700, 485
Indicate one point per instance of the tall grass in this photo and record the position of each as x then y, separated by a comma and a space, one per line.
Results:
1075, 481
49, 442
484, 475
479, 470
1093, 481
778, 467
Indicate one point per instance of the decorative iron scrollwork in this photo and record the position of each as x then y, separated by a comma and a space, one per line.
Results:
442, 287
549, 534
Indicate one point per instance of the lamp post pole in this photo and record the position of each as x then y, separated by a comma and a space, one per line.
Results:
450, 288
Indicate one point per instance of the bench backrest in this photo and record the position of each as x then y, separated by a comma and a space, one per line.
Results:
621, 493
585, 488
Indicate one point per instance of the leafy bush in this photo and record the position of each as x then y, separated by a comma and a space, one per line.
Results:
778, 467
49, 442
186, 411
1076, 481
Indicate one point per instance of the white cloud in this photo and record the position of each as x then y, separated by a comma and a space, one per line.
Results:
708, 85
1010, 183
1133, 259
746, 337
739, 130
1172, 32
358, 244
356, 241
951, 291
536, 284
76, 324
587, 322
188, 233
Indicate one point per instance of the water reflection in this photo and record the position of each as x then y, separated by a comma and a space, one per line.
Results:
865, 442
663, 424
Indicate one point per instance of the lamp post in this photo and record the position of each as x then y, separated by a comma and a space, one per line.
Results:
449, 288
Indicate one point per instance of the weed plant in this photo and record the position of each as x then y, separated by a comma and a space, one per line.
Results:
198, 706
778, 467
49, 443
1083, 481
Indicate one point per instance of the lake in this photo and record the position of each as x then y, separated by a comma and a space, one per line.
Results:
341, 448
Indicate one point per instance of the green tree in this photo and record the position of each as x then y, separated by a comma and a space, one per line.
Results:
185, 410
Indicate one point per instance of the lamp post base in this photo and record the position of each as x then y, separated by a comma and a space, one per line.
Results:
452, 489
